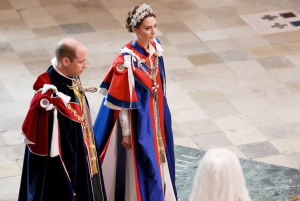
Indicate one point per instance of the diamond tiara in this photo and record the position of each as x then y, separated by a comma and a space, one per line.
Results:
141, 12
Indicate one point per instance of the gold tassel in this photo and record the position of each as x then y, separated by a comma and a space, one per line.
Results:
294, 198
162, 158
161, 148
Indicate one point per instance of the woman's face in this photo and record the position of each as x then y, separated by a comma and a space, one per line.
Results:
146, 32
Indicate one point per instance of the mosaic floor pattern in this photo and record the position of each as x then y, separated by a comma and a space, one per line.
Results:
273, 22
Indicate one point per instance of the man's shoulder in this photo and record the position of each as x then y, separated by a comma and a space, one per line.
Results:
41, 80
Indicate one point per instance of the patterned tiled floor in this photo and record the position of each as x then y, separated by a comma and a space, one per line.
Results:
227, 85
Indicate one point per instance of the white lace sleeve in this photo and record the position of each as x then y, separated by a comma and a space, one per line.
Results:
125, 122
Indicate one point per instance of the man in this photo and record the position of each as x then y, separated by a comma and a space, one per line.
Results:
60, 160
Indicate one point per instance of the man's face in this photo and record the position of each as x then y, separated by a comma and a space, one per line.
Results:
76, 67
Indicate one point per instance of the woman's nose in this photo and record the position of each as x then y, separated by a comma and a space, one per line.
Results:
153, 31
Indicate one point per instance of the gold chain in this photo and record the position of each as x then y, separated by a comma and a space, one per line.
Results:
80, 94
161, 147
164, 82
79, 118
152, 77
75, 86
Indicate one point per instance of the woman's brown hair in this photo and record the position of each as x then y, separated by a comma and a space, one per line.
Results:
129, 18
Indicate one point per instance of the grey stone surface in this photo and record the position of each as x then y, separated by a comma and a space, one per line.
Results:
11, 124
193, 48
234, 55
212, 140
77, 28
178, 131
204, 59
6, 48
184, 74
278, 131
172, 28
220, 109
258, 150
275, 63
34, 56
5, 97
2, 86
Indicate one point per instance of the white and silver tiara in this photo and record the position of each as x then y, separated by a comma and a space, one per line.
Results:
141, 12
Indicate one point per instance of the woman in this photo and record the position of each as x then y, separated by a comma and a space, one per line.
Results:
219, 177
135, 117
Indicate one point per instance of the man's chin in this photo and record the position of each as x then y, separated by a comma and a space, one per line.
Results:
78, 74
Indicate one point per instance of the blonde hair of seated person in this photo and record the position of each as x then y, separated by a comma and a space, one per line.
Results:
219, 177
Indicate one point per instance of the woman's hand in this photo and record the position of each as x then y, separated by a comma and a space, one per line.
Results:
127, 142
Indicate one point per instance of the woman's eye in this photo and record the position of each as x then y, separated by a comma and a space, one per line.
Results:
147, 28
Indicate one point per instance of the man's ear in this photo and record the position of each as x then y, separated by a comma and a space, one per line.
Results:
65, 61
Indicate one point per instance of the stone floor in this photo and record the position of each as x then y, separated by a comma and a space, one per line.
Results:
232, 81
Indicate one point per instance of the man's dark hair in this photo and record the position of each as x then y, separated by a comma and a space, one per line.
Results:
62, 50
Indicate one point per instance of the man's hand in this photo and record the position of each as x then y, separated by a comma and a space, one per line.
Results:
127, 142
